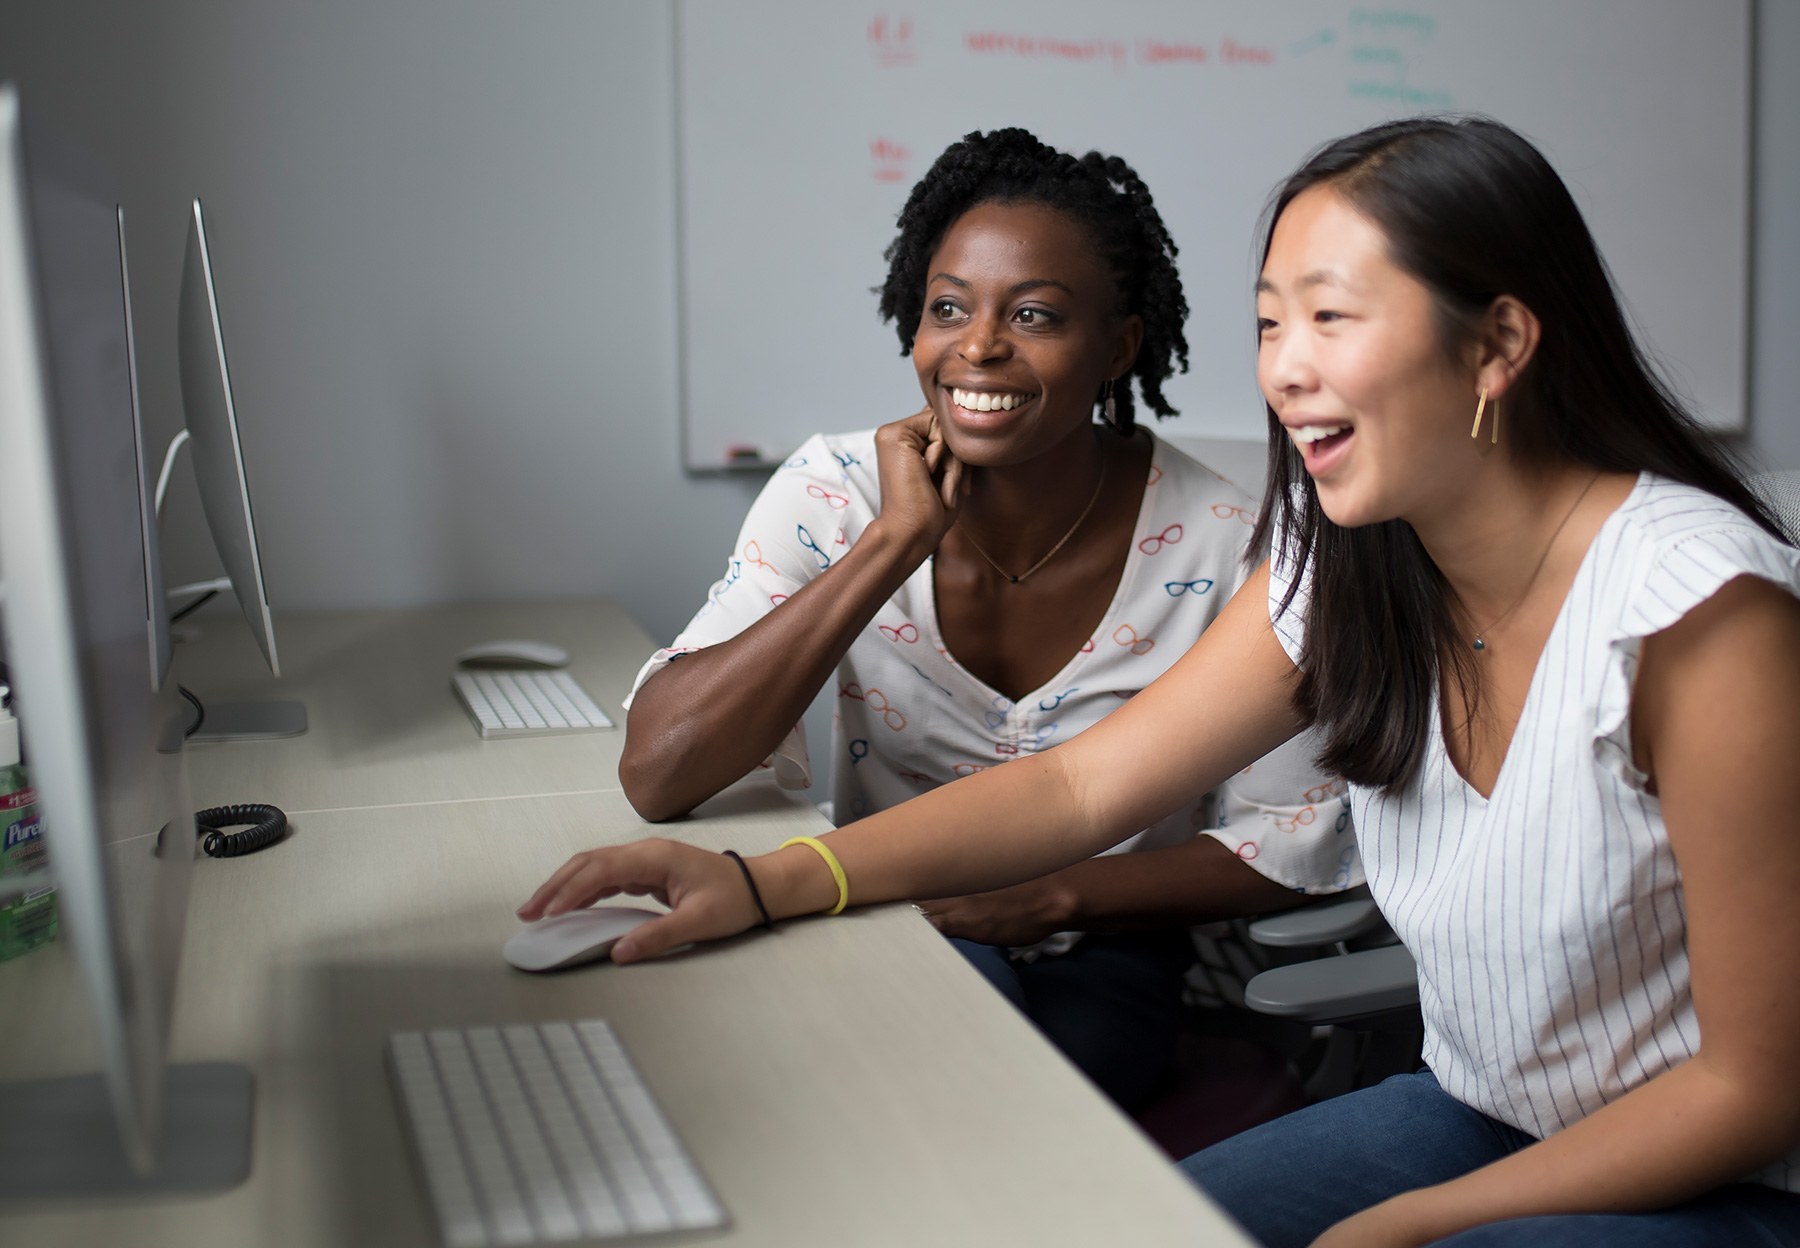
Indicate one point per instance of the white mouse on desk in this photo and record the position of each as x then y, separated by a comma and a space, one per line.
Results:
514, 652
573, 938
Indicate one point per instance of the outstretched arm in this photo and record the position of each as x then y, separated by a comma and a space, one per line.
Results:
1200, 881
1282, 837
1227, 702
1715, 714
707, 719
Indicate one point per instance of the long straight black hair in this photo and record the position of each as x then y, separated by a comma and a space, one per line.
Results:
1473, 211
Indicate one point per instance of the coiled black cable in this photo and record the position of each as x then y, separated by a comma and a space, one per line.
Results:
268, 824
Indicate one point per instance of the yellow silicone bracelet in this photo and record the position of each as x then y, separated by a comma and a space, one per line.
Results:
837, 868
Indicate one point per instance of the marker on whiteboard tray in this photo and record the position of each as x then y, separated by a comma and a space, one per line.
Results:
743, 455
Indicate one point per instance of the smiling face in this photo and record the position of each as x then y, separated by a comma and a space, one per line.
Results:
1019, 331
1351, 360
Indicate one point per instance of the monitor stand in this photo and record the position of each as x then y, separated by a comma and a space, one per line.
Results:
60, 1138
251, 721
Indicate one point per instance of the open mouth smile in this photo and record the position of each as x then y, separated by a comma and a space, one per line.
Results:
988, 400
1320, 444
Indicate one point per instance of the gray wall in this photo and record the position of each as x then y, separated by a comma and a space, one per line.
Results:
1775, 265
444, 242
443, 239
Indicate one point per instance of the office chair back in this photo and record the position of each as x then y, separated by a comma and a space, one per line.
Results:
1781, 491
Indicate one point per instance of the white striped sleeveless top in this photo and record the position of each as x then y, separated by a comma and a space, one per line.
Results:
1548, 920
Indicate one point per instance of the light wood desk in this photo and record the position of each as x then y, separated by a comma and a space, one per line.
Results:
384, 727
840, 1081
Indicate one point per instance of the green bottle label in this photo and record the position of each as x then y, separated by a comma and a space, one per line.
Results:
29, 921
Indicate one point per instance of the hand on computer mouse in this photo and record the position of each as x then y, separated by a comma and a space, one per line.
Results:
704, 891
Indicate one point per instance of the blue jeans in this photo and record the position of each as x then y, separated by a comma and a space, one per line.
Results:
1112, 1004
1288, 1180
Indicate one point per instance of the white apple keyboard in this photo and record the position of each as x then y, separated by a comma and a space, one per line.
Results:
542, 1133
527, 703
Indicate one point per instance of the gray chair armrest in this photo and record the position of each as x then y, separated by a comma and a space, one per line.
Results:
1325, 923
1339, 989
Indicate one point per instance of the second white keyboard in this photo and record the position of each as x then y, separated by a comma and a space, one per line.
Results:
542, 1134
527, 703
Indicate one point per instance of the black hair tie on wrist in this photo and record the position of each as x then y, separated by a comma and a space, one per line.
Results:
269, 823
755, 893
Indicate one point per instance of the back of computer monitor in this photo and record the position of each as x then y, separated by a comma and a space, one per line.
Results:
160, 639
105, 748
217, 449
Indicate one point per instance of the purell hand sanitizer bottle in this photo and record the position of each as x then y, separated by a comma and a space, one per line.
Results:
27, 916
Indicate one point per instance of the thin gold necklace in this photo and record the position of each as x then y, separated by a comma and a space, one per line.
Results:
1532, 580
1100, 485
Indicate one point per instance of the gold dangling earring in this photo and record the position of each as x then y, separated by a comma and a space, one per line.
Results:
1475, 429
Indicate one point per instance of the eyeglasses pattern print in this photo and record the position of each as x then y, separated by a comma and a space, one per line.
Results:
996, 714
1321, 792
928, 680
1006, 720
806, 540
1303, 818
754, 557
876, 701
1127, 636
1153, 545
733, 570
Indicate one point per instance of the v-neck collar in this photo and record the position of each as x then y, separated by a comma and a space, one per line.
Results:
1133, 561
1582, 572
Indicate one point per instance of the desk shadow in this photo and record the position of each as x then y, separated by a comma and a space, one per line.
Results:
346, 1116
350, 1119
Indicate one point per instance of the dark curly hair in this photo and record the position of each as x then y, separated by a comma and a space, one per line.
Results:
1102, 193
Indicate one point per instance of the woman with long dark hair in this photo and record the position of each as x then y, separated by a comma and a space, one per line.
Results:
1557, 656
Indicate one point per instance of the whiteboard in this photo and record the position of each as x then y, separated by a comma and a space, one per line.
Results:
803, 125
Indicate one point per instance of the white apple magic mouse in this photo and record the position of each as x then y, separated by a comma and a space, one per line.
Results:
573, 938
515, 652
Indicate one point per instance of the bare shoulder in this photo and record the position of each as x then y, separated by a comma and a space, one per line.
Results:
1718, 692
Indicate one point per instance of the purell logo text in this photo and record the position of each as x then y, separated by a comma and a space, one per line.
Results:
23, 831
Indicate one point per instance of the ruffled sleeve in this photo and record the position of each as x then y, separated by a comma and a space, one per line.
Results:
804, 519
1668, 580
1291, 821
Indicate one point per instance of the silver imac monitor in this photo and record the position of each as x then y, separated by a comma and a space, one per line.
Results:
103, 734
213, 438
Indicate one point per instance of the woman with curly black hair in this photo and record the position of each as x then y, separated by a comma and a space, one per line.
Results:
993, 575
